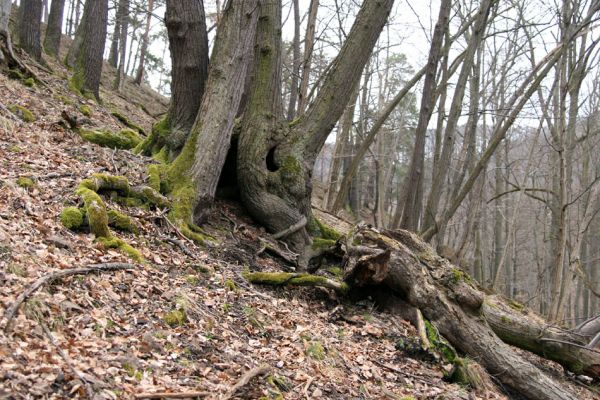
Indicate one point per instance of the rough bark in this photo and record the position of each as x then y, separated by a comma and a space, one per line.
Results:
309, 42
88, 48
29, 27
139, 76
295, 63
274, 170
188, 42
122, 21
447, 298
7, 55
54, 28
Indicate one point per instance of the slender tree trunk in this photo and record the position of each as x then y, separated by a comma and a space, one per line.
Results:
309, 42
123, 23
291, 113
113, 52
414, 181
54, 28
88, 48
29, 27
139, 77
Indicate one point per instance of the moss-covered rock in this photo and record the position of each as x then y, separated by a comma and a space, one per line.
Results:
71, 218
23, 113
125, 139
25, 182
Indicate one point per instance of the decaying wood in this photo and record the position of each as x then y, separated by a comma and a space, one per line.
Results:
450, 301
245, 379
46, 279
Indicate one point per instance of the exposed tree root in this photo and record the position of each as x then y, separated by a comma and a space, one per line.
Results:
287, 278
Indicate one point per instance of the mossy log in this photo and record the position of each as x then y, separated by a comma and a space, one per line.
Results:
407, 266
293, 279
124, 139
120, 184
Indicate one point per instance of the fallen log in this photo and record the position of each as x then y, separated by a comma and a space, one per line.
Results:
447, 297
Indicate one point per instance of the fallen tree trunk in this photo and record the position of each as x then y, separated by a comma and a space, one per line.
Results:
446, 296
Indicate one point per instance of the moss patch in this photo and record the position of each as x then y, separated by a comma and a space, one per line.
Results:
23, 113
325, 231
320, 243
156, 141
85, 110
121, 222
439, 343
71, 218
315, 350
127, 122
121, 245
175, 318
125, 139
25, 182
286, 278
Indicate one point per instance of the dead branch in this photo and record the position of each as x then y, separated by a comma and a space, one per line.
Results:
171, 395
46, 279
245, 379
294, 279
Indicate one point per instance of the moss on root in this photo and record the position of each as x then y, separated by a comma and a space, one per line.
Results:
286, 278
128, 123
25, 182
85, 110
72, 218
156, 141
119, 244
23, 113
155, 176
121, 222
323, 231
125, 139
320, 243
439, 343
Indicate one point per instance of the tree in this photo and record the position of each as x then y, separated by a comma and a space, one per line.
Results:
7, 55
54, 28
122, 21
188, 42
139, 76
29, 27
85, 54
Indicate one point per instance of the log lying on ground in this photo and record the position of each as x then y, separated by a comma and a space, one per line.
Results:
528, 331
446, 297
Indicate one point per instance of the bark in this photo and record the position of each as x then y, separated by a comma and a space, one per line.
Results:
277, 192
54, 28
113, 53
295, 63
413, 185
410, 268
139, 77
29, 27
188, 42
7, 55
123, 23
87, 49
309, 42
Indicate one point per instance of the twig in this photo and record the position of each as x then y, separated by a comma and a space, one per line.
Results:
14, 307
88, 388
180, 244
245, 379
399, 371
292, 229
168, 395
307, 386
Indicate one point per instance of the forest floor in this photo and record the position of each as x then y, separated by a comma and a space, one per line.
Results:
117, 329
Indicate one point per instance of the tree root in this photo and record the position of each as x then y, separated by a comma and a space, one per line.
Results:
286, 278
46, 279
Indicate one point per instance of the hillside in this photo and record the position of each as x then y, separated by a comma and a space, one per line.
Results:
185, 320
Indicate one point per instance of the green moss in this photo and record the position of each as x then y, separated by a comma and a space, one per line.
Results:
127, 122
16, 74
29, 82
439, 343
320, 243
71, 217
286, 278
230, 285
192, 280
124, 139
515, 305
15, 149
156, 141
291, 168
175, 318
121, 222
326, 232
95, 211
315, 350
457, 275
154, 176
335, 271
294, 122
25, 182
121, 245
65, 100
85, 110
23, 113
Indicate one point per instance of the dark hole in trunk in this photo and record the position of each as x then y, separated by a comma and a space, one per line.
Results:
271, 166
227, 188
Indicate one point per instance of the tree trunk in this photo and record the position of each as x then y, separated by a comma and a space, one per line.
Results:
54, 28
277, 192
309, 42
139, 77
88, 48
122, 21
7, 56
295, 63
188, 42
113, 52
414, 180
29, 27
449, 300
